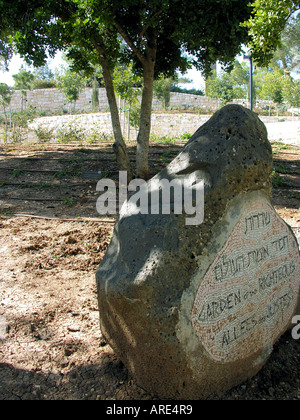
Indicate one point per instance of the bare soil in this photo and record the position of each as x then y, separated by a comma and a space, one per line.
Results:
51, 346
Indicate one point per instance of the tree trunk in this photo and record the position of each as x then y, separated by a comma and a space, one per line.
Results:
119, 146
142, 150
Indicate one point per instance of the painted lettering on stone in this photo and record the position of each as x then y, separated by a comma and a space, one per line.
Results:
249, 293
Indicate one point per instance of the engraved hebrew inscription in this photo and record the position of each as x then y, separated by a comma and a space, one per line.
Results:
250, 291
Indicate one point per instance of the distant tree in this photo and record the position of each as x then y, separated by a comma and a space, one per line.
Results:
291, 93
192, 91
43, 73
162, 89
23, 82
71, 84
272, 87
5, 95
126, 83
95, 80
43, 78
219, 88
5, 99
229, 85
128, 86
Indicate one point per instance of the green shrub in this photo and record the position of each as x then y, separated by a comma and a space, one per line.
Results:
44, 134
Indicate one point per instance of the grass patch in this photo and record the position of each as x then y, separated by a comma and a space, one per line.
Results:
69, 201
162, 140
185, 136
277, 181
16, 173
281, 169
281, 146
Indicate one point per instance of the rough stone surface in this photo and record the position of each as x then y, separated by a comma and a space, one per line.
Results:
194, 310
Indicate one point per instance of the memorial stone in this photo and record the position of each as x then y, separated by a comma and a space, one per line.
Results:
193, 310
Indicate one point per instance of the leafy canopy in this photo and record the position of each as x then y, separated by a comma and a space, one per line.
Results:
268, 20
208, 29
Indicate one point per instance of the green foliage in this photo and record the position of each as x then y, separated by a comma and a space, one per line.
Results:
23, 81
95, 94
287, 55
68, 201
16, 173
277, 181
44, 134
271, 88
69, 133
268, 21
44, 73
41, 78
76, 24
5, 95
162, 139
185, 136
162, 89
43, 84
291, 92
134, 116
220, 88
229, 85
151, 35
70, 84
193, 91
126, 83
18, 130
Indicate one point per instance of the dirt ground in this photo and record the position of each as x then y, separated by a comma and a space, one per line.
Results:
51, 346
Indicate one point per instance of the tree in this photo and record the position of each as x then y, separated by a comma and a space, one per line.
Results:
162, 89
266, 25
291, 92
5, 99
272, 86
5, 95
287, 55
128, 86
71, 84
154, 34
23, 82
126, 83
229, 85
95, 80
43, 78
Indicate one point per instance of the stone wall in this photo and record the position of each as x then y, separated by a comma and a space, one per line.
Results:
52, 100
163, 125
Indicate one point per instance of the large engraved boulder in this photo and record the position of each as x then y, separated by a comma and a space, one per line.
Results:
193, 310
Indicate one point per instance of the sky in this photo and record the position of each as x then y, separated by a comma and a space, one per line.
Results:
16, 63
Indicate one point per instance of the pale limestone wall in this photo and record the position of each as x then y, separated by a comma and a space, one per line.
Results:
52, 100
169, 125
163, 124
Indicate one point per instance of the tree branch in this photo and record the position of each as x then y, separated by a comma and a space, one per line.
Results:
144, 30
130, 43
